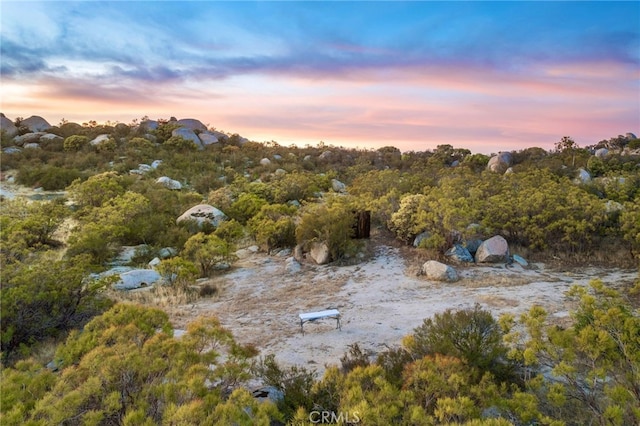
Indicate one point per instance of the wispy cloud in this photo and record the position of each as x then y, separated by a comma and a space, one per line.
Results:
512, 72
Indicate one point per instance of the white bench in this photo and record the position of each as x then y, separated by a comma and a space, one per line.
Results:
314, 316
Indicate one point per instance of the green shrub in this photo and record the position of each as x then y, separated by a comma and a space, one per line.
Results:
179, 143
274, 226
75, 143
472, 335
50, 178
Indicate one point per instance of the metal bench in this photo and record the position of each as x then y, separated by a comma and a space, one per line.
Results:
314, 316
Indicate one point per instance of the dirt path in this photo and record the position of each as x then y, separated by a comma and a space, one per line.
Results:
379, 302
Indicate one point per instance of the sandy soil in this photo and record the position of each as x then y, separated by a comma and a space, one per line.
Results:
380, 300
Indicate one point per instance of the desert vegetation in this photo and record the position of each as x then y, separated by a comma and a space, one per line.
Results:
76, 350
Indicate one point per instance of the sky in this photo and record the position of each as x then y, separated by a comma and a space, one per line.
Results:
486, 76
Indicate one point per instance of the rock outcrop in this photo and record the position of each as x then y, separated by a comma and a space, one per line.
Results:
493, 250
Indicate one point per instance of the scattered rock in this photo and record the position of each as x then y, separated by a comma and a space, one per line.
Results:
50, 137
520, 260
154, 262
493, 250
435, 270
319, 252
127, 253
602, 152
292, 266
167, 252
265, 162
149, 125
472, 246
338, 186
500, 163
277, 157
418, 239
31, 145
459, 253
613, 206
583, 176
169, 183
268, 393
156, 164
137, 278
187, 134
325, 155
203, 213
208, 138
28, 138
12, 150
280, 172
99, 139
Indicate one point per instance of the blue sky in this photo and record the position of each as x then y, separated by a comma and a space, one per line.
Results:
487, 76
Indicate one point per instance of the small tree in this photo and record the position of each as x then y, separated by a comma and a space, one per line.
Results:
207, 251
331, 223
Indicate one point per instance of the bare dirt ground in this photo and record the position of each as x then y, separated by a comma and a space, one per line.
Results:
381, 300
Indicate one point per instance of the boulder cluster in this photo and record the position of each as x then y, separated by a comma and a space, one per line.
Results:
492, 250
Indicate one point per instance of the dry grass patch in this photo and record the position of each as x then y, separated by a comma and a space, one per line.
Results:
166, 295
498, 301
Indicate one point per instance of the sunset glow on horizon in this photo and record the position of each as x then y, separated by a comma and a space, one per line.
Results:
487, 76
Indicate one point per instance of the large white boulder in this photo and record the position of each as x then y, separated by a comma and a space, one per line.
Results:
438, 271
265, 162
493, 250
319, 252
500, 163
203, 214
137, 278
35, 123
169, 183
